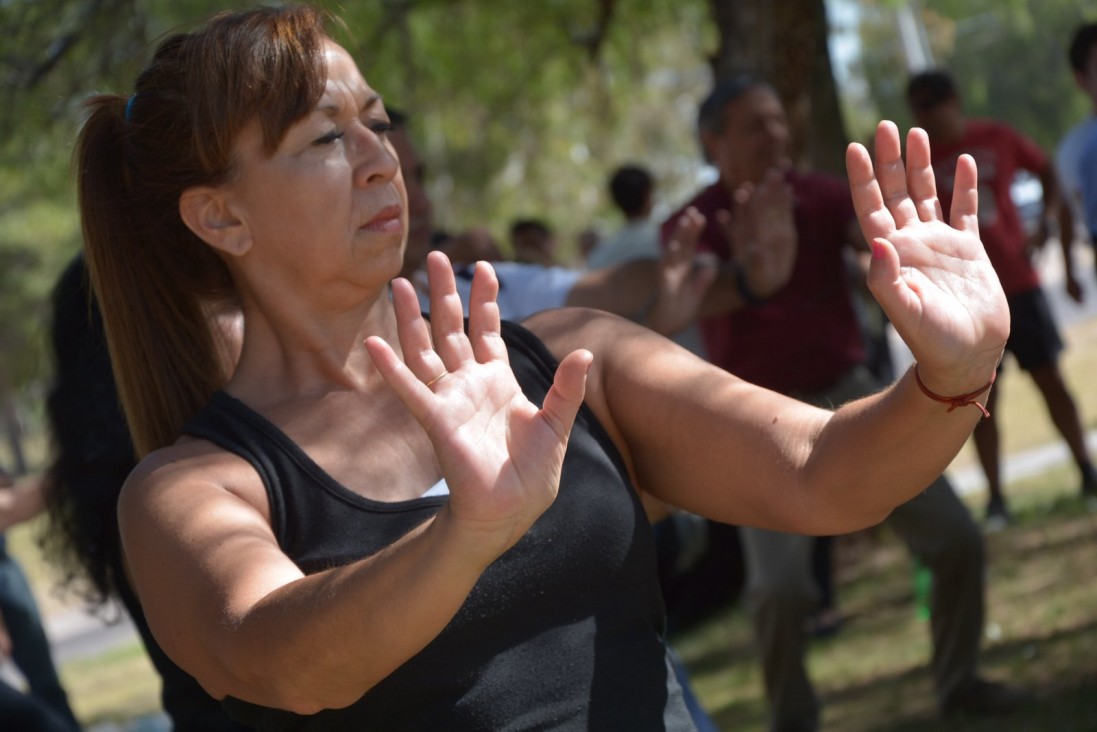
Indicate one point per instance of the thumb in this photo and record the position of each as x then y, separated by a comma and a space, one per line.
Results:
883, 274
569, 386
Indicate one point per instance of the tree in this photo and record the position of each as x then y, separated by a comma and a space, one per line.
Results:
786, 44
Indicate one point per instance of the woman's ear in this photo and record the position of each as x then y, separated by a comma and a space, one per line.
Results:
206, 211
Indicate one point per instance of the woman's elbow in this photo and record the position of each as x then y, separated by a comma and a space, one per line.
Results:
302, 686
301, 692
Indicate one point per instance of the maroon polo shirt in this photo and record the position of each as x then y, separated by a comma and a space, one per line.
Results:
1000, 152
807, 336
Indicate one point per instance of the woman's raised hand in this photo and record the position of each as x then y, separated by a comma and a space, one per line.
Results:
933, 279
500, 455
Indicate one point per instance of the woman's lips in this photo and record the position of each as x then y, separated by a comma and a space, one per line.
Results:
387, 219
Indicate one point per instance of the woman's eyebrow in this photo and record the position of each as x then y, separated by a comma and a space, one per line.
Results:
333, 107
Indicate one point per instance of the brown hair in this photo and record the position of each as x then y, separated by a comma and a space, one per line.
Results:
157, 283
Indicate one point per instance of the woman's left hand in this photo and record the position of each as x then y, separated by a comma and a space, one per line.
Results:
933, 279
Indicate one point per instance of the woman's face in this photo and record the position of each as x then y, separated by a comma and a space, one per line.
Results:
331, 197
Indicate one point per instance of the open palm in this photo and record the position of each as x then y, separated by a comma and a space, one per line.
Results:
933, 279
500, 454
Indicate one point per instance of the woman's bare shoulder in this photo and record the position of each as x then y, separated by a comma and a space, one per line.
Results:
189, 469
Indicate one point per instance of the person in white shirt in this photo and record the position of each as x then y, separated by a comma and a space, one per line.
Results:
633, 190
1070, 153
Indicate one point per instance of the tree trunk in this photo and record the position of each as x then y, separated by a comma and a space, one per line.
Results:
785, 43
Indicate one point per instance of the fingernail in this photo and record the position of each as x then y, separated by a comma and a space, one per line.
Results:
878, 250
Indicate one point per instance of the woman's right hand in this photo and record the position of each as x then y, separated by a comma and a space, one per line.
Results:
500, 455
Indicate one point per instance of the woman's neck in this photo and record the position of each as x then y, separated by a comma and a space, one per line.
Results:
289, 352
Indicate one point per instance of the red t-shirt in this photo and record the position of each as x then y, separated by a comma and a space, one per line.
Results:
806, 336
999, 152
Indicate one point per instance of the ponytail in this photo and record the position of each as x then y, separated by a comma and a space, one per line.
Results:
158, 285
162, 348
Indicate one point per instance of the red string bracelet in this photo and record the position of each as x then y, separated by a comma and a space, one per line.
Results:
957, 401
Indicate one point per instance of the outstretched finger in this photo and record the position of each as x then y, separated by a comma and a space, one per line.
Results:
414, 335
447, 314
740, 228
892, 175
920, 181
965, 196
408, 386
874, 217
485, 328
886, 283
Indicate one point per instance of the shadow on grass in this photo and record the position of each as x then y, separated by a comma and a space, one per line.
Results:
1067, 704
1071, 708
1043, 563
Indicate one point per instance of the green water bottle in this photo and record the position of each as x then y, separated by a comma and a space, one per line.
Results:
923, 586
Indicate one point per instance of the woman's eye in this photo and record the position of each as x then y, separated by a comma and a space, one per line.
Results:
328, 138
381, 127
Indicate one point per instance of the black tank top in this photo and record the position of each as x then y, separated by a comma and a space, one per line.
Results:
563, 632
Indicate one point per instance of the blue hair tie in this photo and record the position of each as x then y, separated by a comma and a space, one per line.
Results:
129, 108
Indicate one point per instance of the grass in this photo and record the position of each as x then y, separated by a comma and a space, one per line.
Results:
874, 676
1023, 419
115, 686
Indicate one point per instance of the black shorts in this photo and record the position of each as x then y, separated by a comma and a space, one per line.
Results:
1033, 336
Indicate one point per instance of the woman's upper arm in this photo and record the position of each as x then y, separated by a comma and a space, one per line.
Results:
692, 434
199, 555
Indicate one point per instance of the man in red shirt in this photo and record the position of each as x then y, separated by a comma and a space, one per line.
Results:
805, 341
1000, 152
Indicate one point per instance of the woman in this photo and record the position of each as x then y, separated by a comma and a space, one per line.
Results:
371, 522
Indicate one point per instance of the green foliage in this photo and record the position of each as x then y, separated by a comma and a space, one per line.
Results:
521, 108
1008, 57
55, 53
516, 113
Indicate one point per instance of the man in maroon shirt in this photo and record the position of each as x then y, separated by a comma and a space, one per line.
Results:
1000, 152
805, 341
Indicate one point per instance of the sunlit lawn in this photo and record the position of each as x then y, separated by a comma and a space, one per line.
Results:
873, 675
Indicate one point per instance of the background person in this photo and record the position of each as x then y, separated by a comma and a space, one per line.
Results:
665, 294
1082, 56
805, 341
1000, 152
632, 189
45, 706
532, 241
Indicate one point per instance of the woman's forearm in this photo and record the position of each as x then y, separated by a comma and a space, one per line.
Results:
369, 618
878, 452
